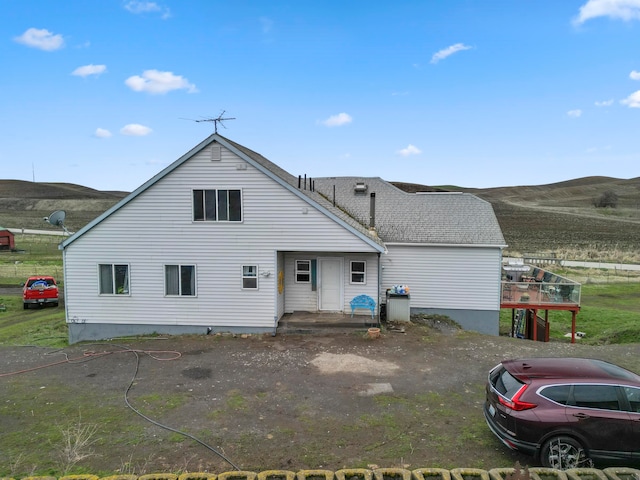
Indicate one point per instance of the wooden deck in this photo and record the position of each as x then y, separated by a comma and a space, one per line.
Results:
533, 297
542, 296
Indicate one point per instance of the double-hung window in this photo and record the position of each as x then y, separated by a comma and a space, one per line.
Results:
180, 280
217, 206
358, 272
250, 276
114, 279
303, 271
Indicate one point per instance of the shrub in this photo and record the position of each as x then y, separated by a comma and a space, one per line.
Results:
608, 199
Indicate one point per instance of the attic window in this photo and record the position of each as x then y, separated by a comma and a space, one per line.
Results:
360, 187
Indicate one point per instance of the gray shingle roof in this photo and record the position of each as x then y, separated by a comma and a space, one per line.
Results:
431, 218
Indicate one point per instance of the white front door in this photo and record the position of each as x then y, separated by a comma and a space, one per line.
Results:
330, 285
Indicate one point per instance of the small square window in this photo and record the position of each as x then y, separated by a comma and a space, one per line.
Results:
303, 271
114, 279
358, 272
250, 276
180, 280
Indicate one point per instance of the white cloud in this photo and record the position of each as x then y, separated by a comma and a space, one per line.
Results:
445, 52
102, 133
156, 82
42, 39
135, 130
618, 9
138, 7
604, 103
87, 70
409, 150
337, 120
634, 75
575, 113
633, 100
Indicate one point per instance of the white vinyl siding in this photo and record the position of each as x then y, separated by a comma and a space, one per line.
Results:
445, 277
156, 228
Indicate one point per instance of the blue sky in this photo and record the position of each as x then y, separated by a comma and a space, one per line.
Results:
476, 93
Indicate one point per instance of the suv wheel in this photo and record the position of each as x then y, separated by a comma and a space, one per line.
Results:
564, 452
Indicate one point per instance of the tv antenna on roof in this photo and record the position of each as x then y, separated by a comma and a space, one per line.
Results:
220, 120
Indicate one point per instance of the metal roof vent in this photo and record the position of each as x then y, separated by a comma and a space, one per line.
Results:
360, 187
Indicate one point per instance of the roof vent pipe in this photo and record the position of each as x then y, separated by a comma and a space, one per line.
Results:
334, 195
299, 181
372, 211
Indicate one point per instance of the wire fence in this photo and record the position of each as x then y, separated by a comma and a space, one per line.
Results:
18, 272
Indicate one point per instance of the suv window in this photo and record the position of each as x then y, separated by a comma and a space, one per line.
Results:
633, 395
557, 393
604, 397
505, 383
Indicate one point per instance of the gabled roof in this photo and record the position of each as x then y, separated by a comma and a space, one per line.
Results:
430, 218
269, 168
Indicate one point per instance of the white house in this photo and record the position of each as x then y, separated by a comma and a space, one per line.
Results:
225, 240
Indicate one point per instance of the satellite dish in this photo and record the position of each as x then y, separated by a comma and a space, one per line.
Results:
57, 219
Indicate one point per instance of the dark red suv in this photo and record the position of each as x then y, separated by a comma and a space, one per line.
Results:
568, 412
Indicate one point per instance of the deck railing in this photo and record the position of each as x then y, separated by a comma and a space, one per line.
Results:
541, 293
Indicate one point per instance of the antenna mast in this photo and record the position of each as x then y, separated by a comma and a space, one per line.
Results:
219, 120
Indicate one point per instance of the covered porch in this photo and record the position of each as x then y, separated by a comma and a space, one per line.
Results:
528, 290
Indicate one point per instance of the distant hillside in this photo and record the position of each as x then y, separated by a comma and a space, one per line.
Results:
561, 217
67, 191
24, 204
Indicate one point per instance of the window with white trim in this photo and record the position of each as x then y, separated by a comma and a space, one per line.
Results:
303, 271
180, 280
113, 279
358, 272
250, 277
217, 205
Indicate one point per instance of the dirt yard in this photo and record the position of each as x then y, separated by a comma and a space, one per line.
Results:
332, 400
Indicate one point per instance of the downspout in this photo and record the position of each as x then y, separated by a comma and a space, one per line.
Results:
379, 287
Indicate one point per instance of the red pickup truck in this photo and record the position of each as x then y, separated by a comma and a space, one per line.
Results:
40, 291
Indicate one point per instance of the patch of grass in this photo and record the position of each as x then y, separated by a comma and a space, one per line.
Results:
36, 326
235, 400
156, 403
41, 431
